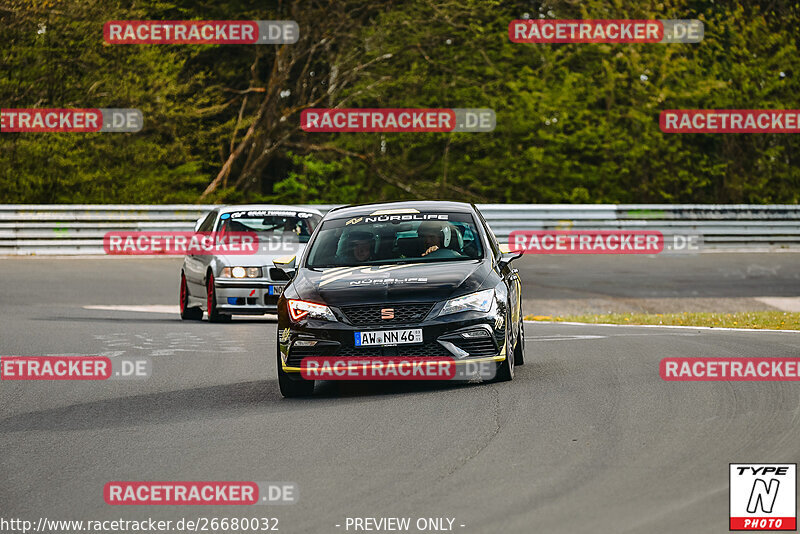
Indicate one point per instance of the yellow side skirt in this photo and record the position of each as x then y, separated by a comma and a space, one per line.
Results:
498, 358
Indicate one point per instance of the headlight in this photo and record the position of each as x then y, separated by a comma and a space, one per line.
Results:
299, 309
480, 301
241, 272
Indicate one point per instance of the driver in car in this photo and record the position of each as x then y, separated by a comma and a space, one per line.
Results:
362, 243
435, 236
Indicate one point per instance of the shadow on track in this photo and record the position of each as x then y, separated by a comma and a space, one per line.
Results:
216, 402
229, 400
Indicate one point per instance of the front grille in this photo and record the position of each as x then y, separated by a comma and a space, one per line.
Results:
477, 347
296, 354
242, 301
371, 315
500, 337
425, 350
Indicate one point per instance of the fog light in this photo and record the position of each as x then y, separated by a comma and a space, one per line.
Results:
472, 334
304, 343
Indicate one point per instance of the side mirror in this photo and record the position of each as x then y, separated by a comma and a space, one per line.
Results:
284, 269
507, 255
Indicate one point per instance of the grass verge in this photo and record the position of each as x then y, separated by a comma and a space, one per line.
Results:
774, 320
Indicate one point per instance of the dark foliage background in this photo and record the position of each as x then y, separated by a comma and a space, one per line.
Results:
575, 123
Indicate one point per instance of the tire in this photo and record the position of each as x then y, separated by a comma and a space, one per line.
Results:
519, 348
290, 387
505, 369
214, 316
187, 313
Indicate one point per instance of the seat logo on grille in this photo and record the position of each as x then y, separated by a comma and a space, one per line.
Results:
387, 313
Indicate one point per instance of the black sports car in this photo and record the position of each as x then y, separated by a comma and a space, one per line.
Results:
402, 279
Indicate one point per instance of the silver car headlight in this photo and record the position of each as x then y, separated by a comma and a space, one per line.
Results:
480, 301
241, 272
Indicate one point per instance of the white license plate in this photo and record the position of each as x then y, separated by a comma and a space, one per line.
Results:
388, 337
275, 290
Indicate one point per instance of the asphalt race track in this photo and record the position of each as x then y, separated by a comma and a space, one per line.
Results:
587, 438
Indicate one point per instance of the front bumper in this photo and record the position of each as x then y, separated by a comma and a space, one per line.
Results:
441, 337
247, 296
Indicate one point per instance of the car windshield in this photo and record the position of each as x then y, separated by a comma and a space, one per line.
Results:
277, 224
395, 238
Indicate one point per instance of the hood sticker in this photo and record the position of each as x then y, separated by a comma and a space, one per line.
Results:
388, 281
329, 277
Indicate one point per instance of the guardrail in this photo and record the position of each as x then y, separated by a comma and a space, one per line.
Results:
79, 229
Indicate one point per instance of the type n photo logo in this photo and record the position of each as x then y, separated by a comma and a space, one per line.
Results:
763, 497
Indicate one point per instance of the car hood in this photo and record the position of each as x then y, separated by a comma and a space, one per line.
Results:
391, 283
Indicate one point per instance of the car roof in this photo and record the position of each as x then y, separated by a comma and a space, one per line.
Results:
419, 205
275, 207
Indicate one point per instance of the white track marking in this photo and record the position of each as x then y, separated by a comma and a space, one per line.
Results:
561, 338
155, 308
670, 326
166, 308
787, 304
